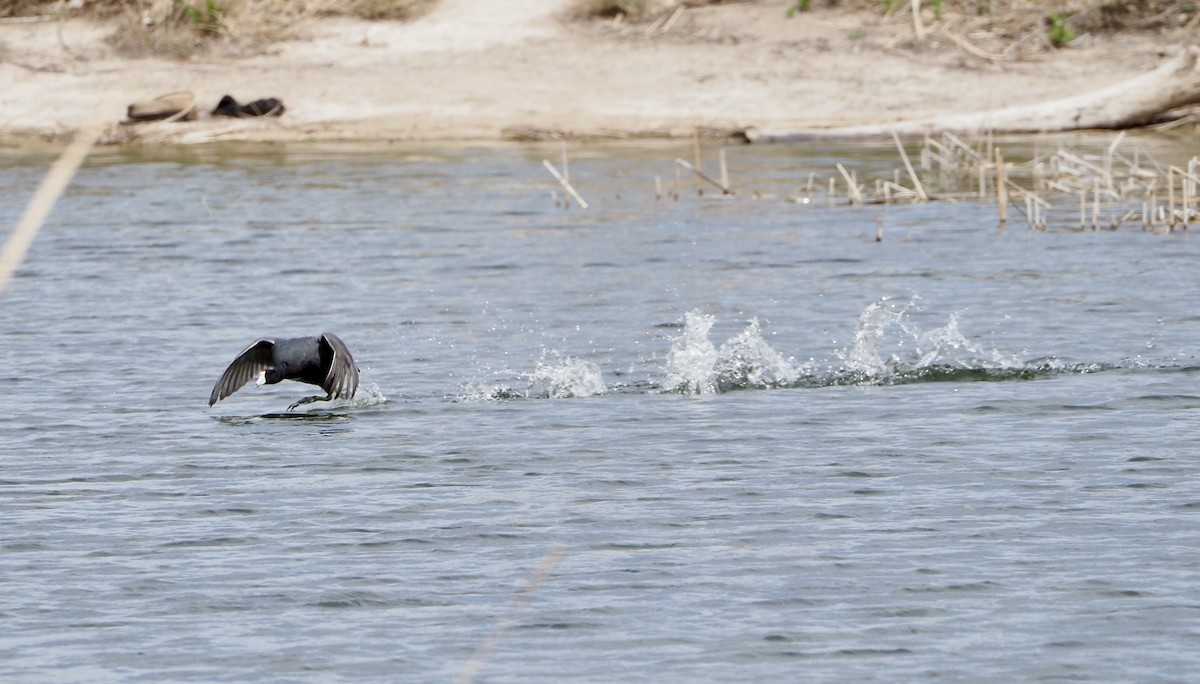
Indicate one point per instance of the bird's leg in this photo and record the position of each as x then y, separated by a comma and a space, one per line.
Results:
309, 400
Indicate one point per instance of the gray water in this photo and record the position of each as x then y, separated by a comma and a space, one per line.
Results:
741, 439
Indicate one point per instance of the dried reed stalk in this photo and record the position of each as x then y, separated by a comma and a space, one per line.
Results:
43, 200
563, 181
1001, 188
702, 176
911, 173
553, 555
853, 192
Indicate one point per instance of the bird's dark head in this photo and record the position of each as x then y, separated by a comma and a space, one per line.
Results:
273, 375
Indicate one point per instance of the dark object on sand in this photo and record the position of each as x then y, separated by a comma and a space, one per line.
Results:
266, 107
175, 106
323, 361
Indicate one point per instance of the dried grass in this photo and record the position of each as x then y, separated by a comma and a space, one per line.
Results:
186, 28
999, 29
994, 29
633, 10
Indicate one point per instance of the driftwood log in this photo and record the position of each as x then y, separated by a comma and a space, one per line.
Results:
1137, 102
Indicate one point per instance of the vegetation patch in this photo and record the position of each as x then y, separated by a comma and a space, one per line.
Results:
186, 28
1007, 28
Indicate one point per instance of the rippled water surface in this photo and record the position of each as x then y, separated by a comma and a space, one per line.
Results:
698, 440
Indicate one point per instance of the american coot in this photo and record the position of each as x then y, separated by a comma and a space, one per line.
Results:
322, 360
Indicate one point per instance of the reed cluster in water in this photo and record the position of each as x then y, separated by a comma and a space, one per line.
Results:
1111, 189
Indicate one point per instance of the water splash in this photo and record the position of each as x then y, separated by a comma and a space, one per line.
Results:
864, 356
483, 391
692, 360
562, 378
569, 377
888, 347
368, 397
745, 361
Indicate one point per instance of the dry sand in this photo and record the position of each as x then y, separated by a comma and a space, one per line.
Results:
480, 70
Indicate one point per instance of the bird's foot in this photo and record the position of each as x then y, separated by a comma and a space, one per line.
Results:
309, 400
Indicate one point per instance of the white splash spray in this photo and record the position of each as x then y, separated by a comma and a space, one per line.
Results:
885, 328
746, 360
569, 377
560, 378
367, 397
692, 360
695, 366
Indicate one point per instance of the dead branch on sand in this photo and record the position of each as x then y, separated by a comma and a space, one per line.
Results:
1138, 102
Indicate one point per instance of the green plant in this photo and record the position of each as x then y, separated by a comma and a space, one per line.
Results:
206, 19
1060, 31
799, 6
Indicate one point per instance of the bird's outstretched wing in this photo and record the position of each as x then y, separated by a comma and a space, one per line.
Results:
253, 360
342, 379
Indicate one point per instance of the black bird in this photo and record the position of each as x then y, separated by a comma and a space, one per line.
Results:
323, 361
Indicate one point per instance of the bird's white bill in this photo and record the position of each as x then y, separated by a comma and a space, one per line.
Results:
262, 379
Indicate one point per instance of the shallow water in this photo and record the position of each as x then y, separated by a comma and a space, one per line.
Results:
742, 439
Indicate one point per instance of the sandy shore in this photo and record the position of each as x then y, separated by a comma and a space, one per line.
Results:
466, 72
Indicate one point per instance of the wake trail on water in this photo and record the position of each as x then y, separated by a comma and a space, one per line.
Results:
887, 348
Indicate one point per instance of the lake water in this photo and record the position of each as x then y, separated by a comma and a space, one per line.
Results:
664, 441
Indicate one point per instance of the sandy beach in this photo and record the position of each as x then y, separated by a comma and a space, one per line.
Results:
467, 72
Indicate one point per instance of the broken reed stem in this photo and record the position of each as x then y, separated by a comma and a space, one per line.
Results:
566, 169
852, 187
696, 156
1185, 202
702, 176
42, 203
908, 165
1001, 188
563, 181
1187, 188
724, 169
1108, 158
1171, 197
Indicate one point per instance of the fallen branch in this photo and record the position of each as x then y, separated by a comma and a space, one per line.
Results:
1137, 102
